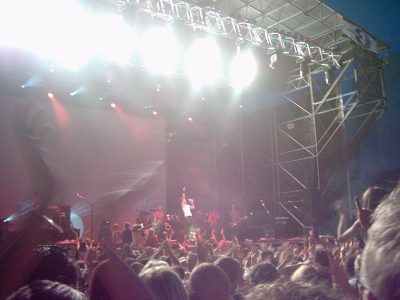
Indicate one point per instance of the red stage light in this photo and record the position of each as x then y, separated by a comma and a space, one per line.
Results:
113, 105
50, 95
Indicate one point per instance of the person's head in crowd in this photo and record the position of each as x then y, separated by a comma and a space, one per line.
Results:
286, 290
263, 272
321, 257
309, 275
268, 256
113, 279
136, 267
232, 269
207, 281
183, 261
55, 265
127, 225
380, 266
164, 283
153, 263
45, 289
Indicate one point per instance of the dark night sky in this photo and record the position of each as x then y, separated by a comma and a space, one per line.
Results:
379, 17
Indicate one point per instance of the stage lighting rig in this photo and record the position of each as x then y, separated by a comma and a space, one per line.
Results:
214, 22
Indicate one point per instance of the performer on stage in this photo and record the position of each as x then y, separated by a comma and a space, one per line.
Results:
234, 216
213, 218
187, 206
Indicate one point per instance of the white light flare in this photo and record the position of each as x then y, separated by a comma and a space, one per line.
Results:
243, 70
55, 30
159, 50
114, 40
204, 62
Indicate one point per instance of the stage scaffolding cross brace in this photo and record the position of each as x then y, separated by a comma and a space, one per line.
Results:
317, 127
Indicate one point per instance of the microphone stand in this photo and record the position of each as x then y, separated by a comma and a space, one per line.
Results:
265, 207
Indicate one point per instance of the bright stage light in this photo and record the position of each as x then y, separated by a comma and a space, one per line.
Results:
114, 39
243, 70
155, 113
113, 105
204, 62
50, 95
159, 50
78, 91
52, 29
190, 119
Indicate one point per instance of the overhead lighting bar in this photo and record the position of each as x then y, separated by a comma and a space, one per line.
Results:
206, 19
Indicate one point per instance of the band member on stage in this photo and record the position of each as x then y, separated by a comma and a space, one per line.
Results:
126, 235
213, 218
234, 216
187, 206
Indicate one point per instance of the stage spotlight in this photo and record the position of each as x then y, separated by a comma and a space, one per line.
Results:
113, 38
35, 80
190, 119
54, 36
50, 95
243, 70
78, 91
204, 62
50, 32
22, 86
155, 113
113, 105
159, 50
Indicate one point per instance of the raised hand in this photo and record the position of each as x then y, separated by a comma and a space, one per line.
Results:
362, 214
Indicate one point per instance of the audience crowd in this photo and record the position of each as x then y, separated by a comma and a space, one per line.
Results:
362, 262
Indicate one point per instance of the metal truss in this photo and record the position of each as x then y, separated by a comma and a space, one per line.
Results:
215, 22
318, 126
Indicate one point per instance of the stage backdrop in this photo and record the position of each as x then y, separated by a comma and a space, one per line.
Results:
66, 153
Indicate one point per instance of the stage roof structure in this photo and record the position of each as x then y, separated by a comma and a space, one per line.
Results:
310, 22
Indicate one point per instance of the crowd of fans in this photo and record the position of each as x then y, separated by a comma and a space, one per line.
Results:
362, 262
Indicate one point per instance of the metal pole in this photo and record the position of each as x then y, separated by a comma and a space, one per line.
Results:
91, 221
242, 162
